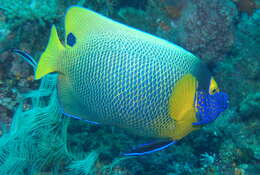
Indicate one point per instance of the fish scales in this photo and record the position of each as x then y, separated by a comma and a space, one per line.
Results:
125, 81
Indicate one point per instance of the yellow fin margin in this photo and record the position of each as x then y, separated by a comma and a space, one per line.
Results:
49, 58
81, 21
181, 106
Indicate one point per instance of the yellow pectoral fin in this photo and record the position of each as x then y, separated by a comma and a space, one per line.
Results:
182, 98
184, 127
49, 59
181, 106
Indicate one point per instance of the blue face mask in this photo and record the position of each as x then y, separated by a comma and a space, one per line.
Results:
209, 106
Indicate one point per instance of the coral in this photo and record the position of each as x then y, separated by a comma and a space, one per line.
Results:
249, 108
137, 17
4, 30
173, 8
22, 18
199, 26
29, 144
20, 68
18, 12
247, 6
242, 63
138, 4
202, 26
207, 159
85, 166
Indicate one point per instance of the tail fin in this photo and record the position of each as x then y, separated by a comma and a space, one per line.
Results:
49, 60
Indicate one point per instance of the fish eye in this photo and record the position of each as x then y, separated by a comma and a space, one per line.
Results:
213, 91
71, 39
213, 87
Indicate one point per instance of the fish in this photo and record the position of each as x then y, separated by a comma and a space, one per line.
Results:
112, 74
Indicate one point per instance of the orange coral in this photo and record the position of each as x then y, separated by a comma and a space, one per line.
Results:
239, 171
173, 8
173, 12
164, 26
30, 78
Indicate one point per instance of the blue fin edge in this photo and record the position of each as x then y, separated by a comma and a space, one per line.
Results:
76, 117
148, 152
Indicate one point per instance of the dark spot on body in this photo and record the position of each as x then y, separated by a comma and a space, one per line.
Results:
71, 39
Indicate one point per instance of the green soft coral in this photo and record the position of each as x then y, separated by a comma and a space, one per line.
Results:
18, 12
37, 138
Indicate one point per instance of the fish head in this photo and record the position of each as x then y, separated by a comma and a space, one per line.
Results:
210, 104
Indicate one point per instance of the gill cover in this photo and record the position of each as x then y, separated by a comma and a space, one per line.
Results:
181, 106
48, 62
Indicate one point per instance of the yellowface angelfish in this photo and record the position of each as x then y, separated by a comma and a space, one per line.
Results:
113, 74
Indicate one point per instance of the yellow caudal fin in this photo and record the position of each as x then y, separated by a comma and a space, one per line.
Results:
49, 59
181, 105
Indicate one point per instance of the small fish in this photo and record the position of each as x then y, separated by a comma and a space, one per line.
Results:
110, 73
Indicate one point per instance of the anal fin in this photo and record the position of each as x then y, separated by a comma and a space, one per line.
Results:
150, 148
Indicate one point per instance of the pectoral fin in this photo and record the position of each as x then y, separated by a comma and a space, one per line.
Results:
181, 106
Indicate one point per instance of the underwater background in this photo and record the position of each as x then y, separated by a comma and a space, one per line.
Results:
36, 139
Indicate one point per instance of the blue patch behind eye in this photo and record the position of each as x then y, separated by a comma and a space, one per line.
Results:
210, 106
71, 39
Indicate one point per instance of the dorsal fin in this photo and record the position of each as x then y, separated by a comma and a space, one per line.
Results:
81, 21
